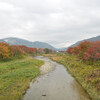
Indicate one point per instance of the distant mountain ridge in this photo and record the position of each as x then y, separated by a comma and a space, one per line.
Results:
18, 41
97, 38
37, 44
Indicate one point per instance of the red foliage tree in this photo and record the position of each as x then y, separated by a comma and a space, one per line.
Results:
28, 50
94, 50
33, 50
86, 50
86, 56
16, 50
75, 50
69, 50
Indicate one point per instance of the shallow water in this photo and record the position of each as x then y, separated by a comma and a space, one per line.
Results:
56, 85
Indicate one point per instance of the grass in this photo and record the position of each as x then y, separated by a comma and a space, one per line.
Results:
87, 75
15, 76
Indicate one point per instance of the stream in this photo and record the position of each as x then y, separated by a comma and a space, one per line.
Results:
55, 83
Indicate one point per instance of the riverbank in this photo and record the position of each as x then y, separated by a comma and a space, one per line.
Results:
15, 77
87, 75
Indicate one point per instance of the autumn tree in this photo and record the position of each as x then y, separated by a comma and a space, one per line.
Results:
5, 51
69, 50
17, 51
86, 50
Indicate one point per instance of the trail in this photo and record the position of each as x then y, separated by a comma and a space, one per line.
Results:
55, 83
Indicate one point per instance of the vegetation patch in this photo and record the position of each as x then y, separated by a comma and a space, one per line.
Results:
15, 76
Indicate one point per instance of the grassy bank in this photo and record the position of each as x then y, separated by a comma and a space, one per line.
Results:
15, 76
87, 75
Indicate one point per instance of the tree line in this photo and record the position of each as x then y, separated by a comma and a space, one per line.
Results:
88, 51
7, 51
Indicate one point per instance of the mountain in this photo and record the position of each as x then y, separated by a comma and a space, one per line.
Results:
90, 39
18, 41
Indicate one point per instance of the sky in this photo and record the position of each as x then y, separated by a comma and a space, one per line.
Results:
57, 22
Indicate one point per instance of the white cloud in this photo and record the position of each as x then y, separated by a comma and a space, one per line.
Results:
6, 6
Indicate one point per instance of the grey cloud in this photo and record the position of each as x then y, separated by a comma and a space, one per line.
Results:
59, 22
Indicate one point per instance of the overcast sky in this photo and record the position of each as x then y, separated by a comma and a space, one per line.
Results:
58, 22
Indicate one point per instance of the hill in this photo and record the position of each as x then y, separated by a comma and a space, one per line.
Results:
90, 39
18, 41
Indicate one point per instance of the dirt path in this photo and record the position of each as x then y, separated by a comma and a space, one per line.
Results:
55, 84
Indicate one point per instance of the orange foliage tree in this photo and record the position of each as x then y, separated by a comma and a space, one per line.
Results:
5, 51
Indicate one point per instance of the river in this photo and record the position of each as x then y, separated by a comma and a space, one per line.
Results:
55, 83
